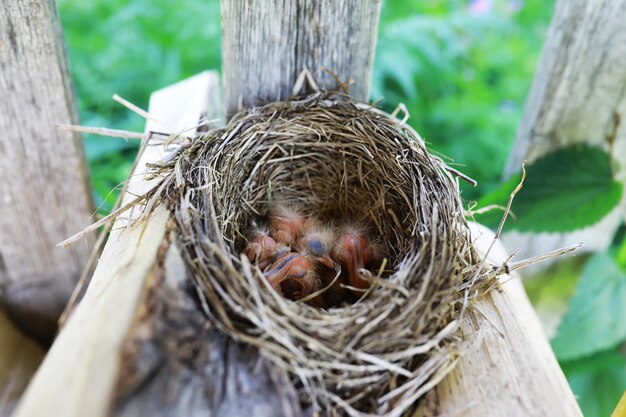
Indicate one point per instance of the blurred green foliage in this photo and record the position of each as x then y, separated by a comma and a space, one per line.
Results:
582, 303
462, 67
463, 75
591, 324
131, 48
598, 380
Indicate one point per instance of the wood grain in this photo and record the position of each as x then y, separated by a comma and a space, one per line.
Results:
508, 368
45, 192
266, 44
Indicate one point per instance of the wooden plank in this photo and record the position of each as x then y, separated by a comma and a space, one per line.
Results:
266, 44
578, 95
19, 358
79, 373
509, 368
45, 191
138, 343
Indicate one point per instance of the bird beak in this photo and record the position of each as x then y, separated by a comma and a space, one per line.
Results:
326, 261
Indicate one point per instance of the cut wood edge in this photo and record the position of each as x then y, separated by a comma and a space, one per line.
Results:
508, 367
78, 376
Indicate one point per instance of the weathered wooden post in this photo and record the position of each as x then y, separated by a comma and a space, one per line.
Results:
45, 185
45, 190
579, 85
578, 95
137, 343
266, 44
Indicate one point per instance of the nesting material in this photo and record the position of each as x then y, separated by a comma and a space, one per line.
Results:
341, 162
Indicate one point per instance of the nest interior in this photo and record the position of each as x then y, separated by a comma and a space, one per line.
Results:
343, 162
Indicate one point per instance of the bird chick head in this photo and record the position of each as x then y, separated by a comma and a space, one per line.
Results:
261, 247
317, 242
286, 225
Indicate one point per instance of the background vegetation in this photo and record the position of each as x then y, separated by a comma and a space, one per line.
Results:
463, 69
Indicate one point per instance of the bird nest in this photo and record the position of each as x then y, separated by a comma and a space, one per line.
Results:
339, 161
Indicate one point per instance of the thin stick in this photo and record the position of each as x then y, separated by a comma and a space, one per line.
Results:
103, 131
493, 241
405, 112
202, 122
488, 208
102, 221
461, 175
342, 84
304, 75
297, 86
85, 277
136, 109
513, 266
116, 133
321, 291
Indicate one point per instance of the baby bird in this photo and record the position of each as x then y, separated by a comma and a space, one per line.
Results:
261, 248
317, 243
286, 225
354, 251
293, 275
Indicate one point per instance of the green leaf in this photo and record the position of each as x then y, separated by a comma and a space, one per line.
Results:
568, 189
598, 381
595, 317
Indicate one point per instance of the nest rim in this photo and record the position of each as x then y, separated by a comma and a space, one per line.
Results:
296, 336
